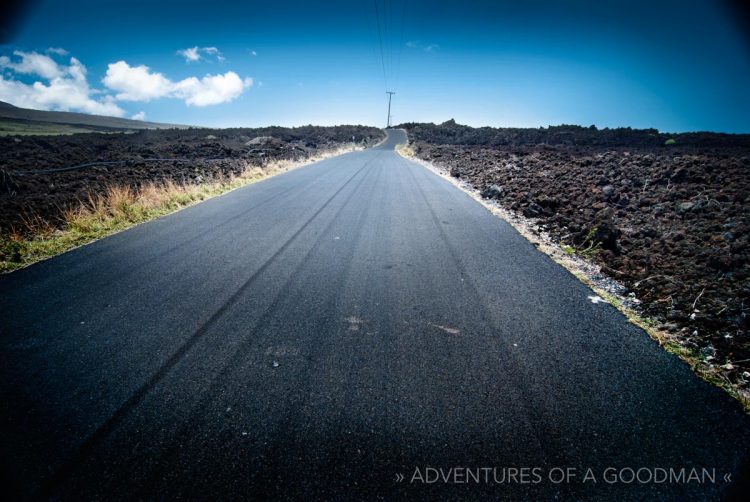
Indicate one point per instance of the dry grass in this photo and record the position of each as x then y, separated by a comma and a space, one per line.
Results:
406, 151
122, 207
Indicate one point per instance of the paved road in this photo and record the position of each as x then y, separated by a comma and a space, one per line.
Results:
325, 331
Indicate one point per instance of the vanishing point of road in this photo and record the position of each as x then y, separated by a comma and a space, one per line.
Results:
345, 330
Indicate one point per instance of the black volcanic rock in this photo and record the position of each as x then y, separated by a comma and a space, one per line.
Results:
670, 223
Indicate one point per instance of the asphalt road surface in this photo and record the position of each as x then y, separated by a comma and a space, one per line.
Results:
356, 329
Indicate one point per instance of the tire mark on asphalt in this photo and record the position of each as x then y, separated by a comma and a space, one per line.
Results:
381, 358
240, 354
104, 430
284, 431
546, 444
133, 268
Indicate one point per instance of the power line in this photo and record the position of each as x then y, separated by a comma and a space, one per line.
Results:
388, 31
400, 44
380, 38
389, 34
374, 48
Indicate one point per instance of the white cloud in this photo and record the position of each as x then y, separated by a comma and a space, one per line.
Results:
416, 44
139, 116
139, 83
195, 54
211, 89
253, 53
190, 55
34, 80
136, 83
33, 63
66, 88
58, 51
213, 51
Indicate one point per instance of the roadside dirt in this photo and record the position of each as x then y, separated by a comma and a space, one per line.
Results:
204, 155
668, 221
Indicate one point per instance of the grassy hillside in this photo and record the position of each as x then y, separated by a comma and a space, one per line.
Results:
23, 121
9, 127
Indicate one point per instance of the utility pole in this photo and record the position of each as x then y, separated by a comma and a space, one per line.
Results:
390, 95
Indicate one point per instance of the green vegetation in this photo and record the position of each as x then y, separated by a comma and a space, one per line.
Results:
670, 141
592, 246
24, 128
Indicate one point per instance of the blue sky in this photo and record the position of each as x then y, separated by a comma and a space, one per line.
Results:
673, 65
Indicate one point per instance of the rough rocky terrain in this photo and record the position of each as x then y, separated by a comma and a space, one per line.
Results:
197, 155
666, 215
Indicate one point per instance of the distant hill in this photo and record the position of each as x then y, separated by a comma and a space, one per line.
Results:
451, 133
15, 120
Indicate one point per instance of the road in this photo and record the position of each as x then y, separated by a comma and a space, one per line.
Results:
324, 332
